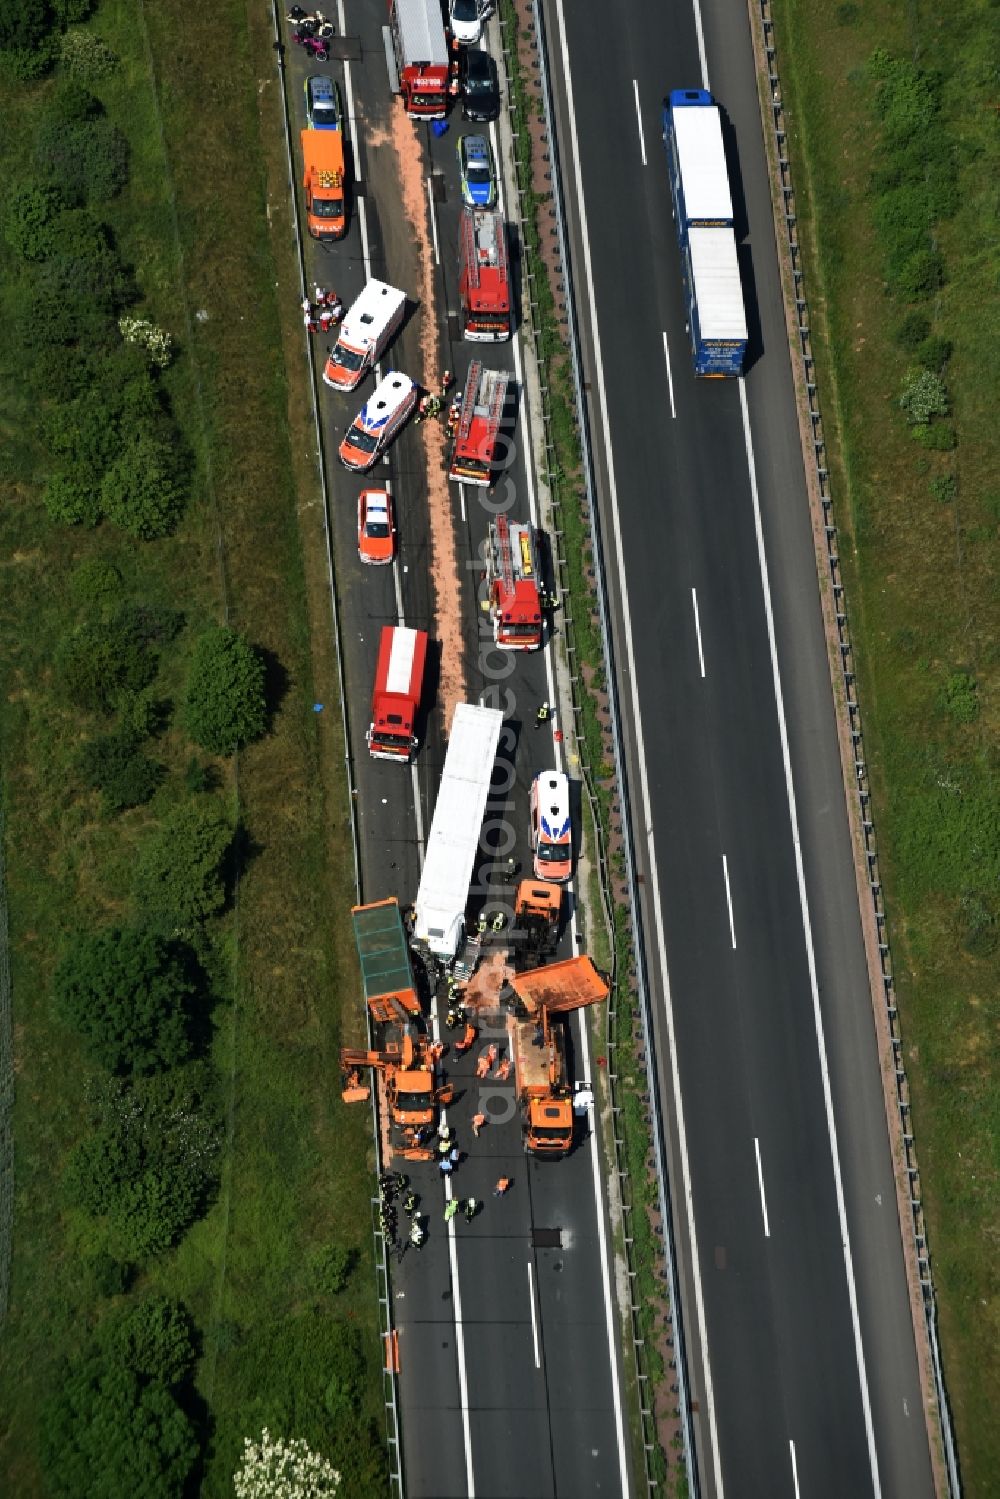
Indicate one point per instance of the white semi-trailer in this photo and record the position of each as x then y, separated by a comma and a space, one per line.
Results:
453, 841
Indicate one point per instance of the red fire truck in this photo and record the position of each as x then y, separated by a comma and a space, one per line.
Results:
484, 275
512, 579
483, 401
420, 53
399, 678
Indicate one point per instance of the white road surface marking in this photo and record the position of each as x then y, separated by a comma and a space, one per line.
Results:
708, 1390
760, 1183
697, 630
831, 1125
729, 899
638, 115
795, 1470
670, 375
434, 227
534, 1315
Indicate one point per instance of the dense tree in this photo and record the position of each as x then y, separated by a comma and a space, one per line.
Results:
179, 874
105, 1433
149, 1165
144, 491
129, 994
225, 705
88, 158
71, 498
114, 765
23, 24
102, 660
153, 1339
29, 221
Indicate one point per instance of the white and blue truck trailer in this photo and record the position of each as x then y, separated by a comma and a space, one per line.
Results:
703, 212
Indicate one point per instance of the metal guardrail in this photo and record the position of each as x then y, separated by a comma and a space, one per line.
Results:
649, 1433
390, 1383
917, 1225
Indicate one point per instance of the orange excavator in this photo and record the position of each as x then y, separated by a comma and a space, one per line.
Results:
541, 1000
410, 1091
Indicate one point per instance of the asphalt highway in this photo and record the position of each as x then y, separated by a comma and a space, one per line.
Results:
803, 1362
508, 1352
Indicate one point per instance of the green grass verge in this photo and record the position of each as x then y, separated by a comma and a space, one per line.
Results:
194, 223
919, 509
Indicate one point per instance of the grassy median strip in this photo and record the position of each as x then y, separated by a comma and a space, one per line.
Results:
893, 134
219, 1281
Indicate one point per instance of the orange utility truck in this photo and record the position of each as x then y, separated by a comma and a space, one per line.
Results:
542, 998
409, 1090
323, 180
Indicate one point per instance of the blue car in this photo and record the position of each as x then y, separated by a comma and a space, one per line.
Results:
323, 110
475, 165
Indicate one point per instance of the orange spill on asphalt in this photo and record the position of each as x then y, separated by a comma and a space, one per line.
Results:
445, 576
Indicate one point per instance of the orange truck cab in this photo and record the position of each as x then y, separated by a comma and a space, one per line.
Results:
323, 180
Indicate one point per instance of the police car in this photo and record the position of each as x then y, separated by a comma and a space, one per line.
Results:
378, 421
323, 110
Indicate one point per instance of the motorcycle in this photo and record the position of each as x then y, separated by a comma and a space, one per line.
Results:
313, 45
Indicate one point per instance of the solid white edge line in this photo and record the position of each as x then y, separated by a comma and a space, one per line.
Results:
697, 629
463, 1381
461, 493
613, 1342
795, 1467
670, 375
729, 900
701, 44
810, 952
534, 1315
349, 91
638, 115
760, 1183
434, 227
709, 1393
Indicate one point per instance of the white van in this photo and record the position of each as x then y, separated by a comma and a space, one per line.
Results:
551, 826
378, 421
370, 324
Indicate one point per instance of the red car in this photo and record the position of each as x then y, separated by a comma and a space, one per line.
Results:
376, 527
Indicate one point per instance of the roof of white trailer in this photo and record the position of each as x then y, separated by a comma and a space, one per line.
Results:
718, 290
702, 160
453, 840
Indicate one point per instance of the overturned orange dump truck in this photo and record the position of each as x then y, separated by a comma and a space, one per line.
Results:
542, 998
410, 1092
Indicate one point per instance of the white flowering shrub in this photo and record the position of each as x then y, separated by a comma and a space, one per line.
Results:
273, 1468
158, 344
85, 56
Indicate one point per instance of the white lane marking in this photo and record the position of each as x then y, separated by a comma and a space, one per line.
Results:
795, 1467
701, 44
534, 1315
434, 227
670, 375
697, 630
638, 115
709, 1392
363, 226
349, 91
810, 952
463, 1381
461, 492
760, 1183
729, 899
598, 1181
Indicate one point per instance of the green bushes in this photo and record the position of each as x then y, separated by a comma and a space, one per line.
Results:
114, 765
102, 661
129, 994
105, 1421
153, 1339
225, 705
148, 1169
179, 875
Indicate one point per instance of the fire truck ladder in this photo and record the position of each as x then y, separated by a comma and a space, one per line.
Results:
469, 400
483, 242
504, 556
